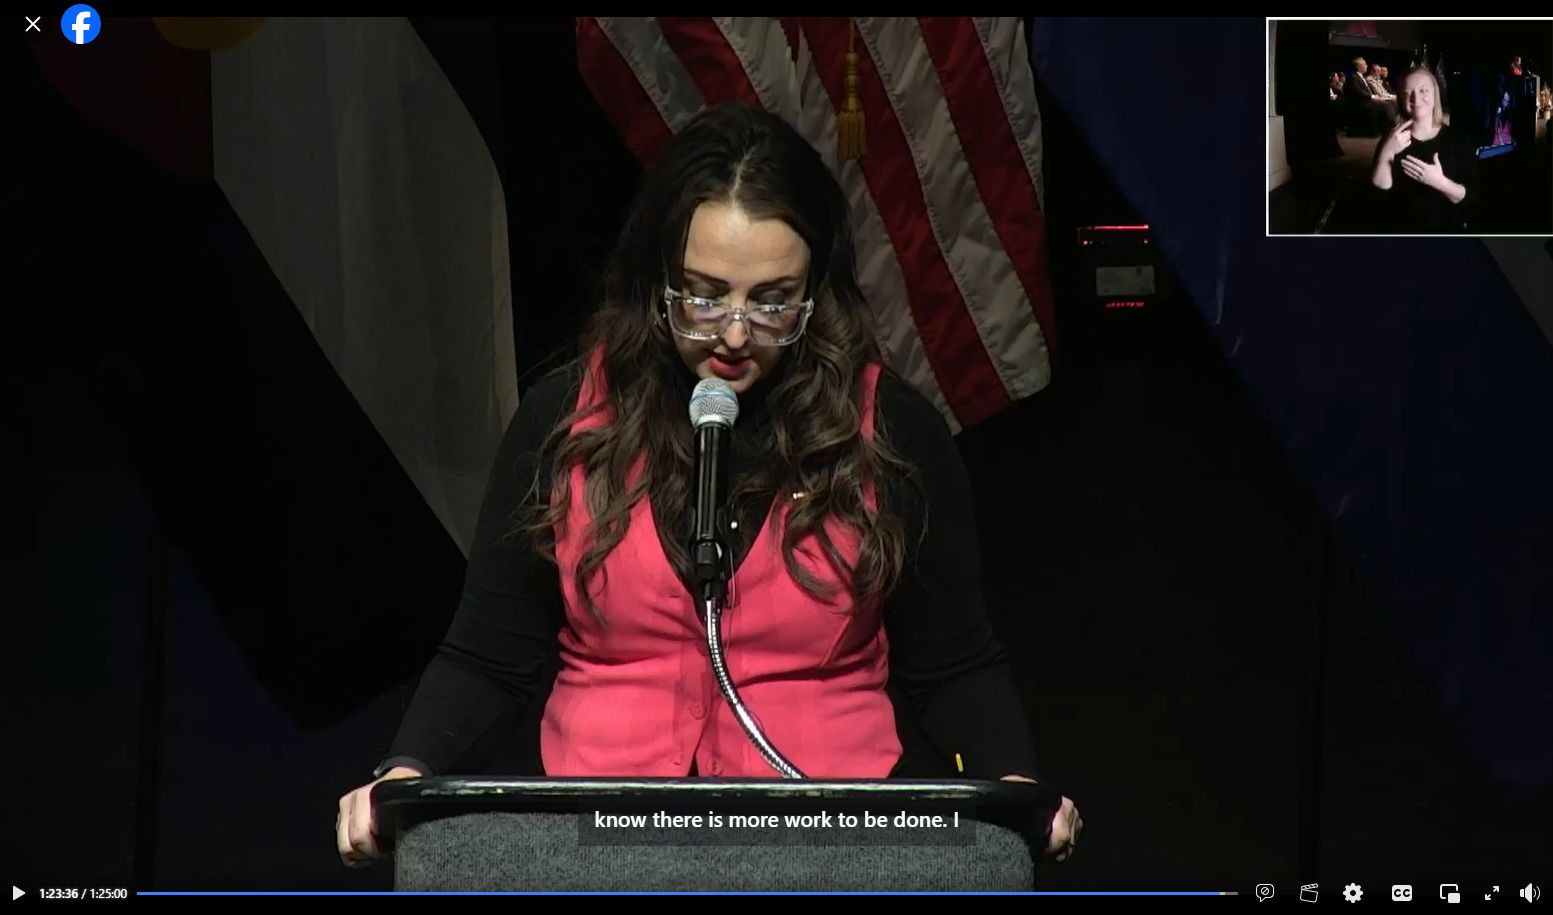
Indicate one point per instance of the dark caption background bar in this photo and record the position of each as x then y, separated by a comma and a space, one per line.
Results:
589, 832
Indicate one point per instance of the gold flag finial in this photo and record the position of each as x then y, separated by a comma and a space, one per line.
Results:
853, 141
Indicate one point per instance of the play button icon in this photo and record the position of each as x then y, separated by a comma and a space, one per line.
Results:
16, 893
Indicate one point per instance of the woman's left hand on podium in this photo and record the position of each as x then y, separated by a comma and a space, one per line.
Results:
1065, 826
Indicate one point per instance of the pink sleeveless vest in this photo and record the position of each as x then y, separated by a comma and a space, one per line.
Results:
637, 696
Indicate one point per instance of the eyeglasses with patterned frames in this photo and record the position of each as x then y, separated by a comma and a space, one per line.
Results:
768, 324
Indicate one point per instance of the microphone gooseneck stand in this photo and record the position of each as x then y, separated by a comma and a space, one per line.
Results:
712, 616
711, 563
713, 411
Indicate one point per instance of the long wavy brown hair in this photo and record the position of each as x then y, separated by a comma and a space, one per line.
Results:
742, 156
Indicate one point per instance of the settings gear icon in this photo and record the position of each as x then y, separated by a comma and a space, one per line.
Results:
1353, 892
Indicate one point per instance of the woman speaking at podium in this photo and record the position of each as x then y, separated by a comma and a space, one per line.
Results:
850, 524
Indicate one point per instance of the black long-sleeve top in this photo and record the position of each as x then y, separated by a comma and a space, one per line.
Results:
947, 670
1410, 207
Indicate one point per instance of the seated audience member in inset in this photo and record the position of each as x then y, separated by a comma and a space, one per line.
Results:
1368, 114
1337, 108
1356, 89
1379, 83
1427, 172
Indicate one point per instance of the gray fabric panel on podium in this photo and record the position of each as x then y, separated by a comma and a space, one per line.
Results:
542, 852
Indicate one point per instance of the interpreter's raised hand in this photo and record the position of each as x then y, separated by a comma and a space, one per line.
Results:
1401, 138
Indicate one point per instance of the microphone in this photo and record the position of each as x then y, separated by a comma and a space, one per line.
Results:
713, 410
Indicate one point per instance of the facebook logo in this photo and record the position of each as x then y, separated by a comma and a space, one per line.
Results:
81, 24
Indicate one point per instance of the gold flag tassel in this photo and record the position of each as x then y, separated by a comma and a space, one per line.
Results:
853, 141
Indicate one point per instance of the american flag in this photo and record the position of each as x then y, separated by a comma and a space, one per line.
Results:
946, 199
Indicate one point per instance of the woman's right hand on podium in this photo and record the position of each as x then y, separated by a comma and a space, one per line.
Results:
354, 827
